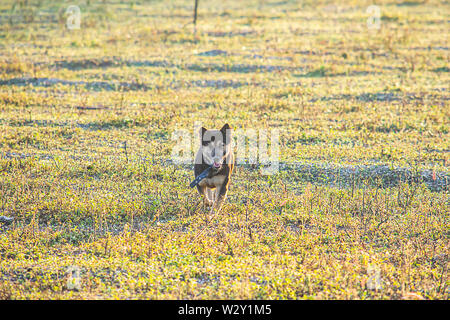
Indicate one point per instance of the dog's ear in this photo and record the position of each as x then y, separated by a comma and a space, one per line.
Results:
201, 132
226, 133
225, 128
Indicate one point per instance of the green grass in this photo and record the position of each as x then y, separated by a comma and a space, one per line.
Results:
340, 94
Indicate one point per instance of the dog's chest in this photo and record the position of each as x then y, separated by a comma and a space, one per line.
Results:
213, 182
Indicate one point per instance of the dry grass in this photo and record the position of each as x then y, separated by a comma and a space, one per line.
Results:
340, 95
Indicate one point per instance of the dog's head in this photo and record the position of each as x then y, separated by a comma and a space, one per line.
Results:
216, 145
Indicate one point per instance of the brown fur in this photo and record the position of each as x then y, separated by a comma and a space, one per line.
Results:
214, 187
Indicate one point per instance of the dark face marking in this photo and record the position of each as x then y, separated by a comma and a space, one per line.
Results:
216, 146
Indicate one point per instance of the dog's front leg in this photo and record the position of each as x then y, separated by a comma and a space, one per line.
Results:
205, 192
211, 197
219, 197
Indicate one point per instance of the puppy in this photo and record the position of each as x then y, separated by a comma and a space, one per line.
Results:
215, 152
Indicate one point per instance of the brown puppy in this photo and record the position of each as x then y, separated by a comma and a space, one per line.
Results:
214, 151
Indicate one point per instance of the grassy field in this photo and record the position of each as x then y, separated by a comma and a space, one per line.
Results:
359, 209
